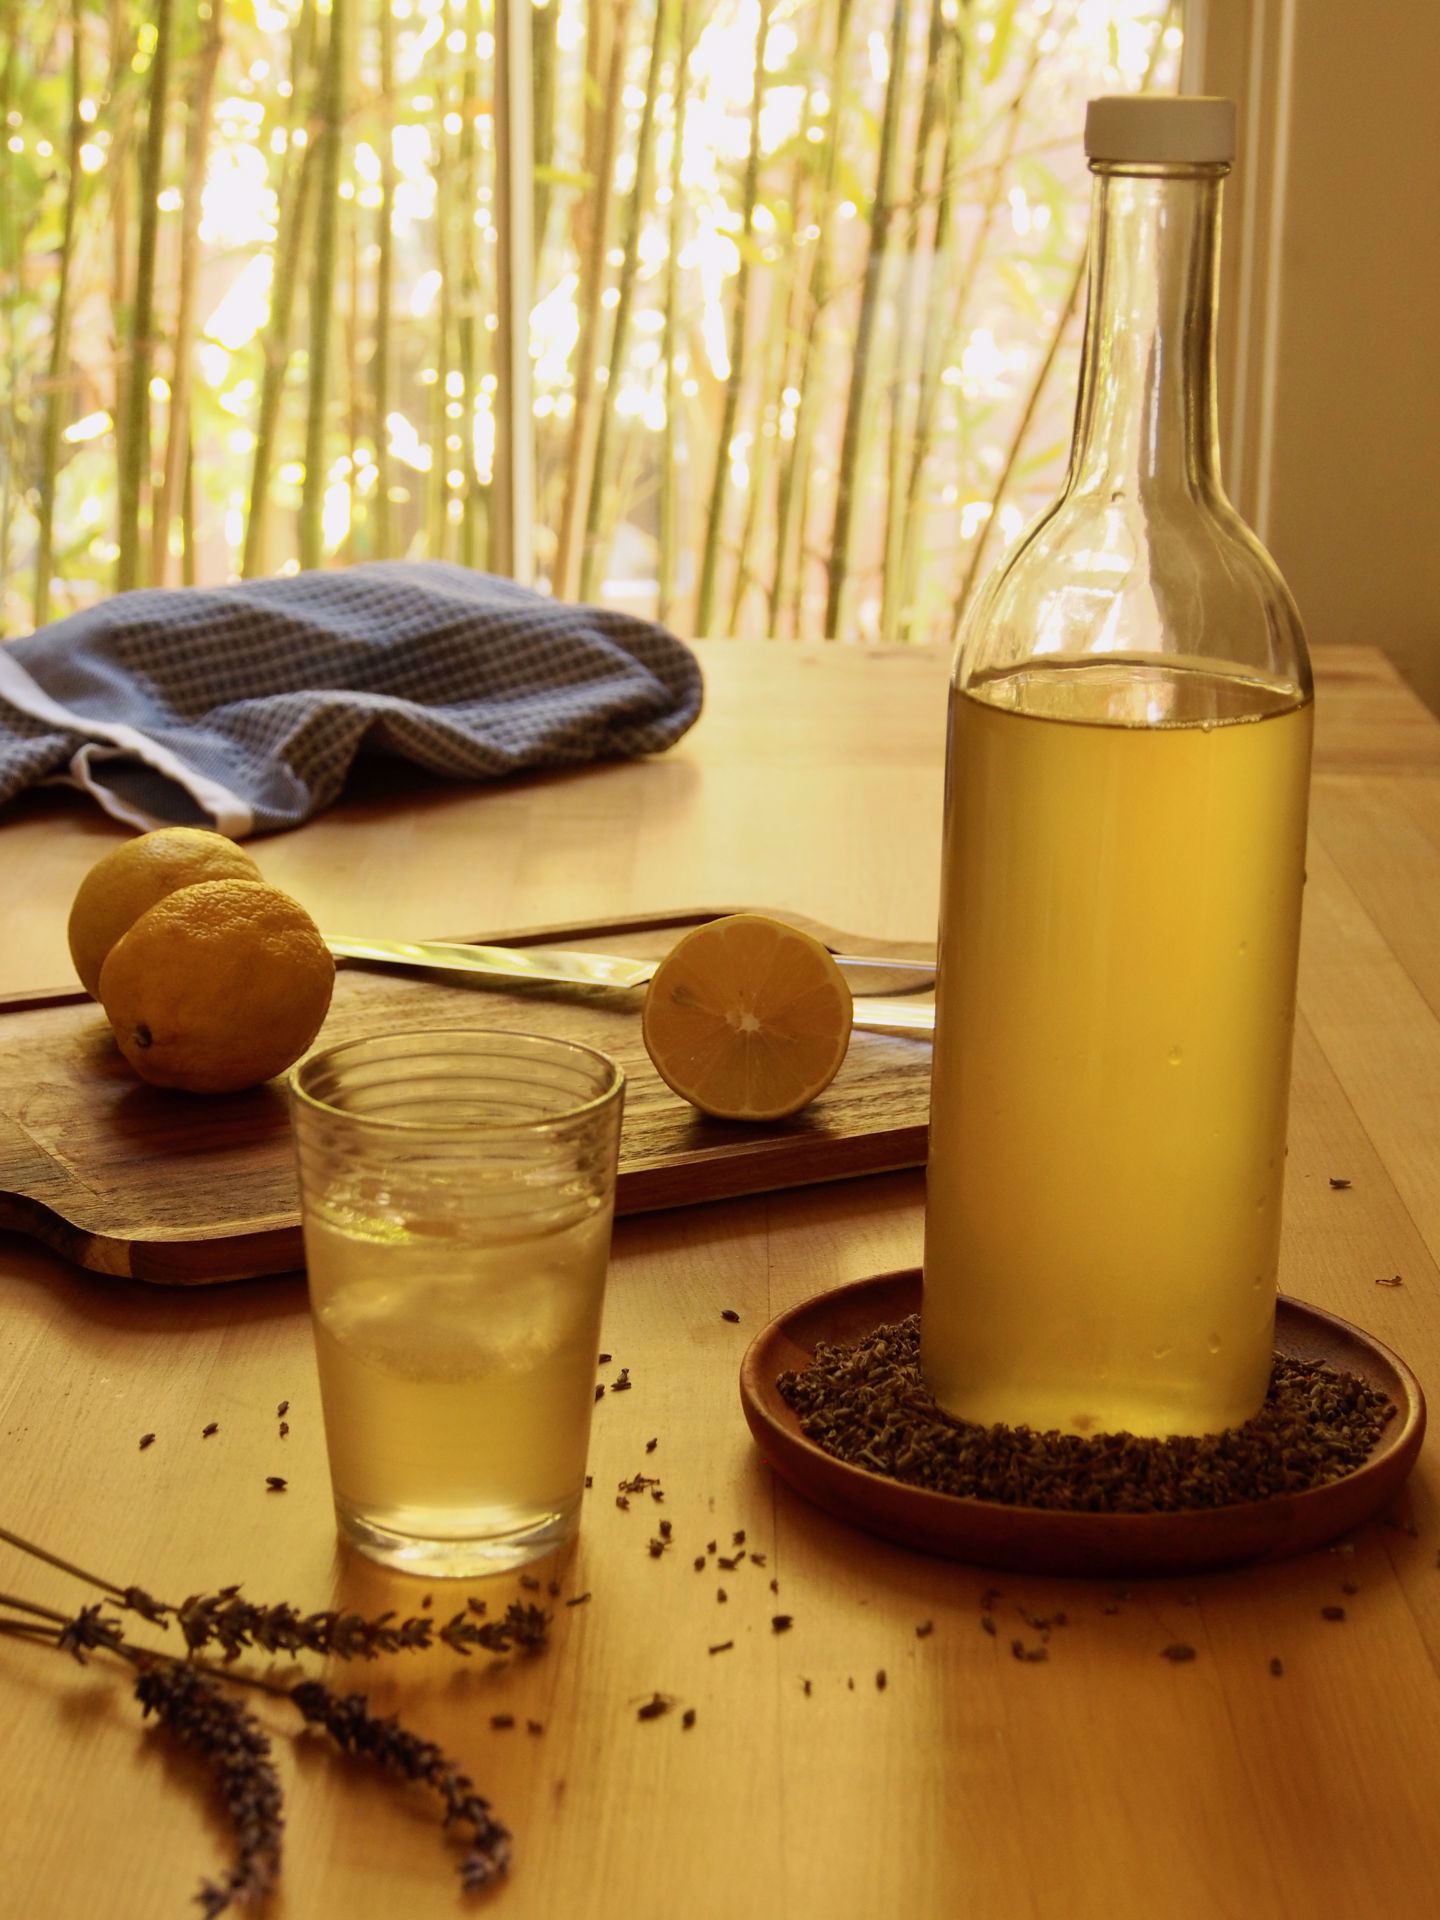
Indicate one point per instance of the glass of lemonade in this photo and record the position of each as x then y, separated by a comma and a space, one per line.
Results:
457, 1190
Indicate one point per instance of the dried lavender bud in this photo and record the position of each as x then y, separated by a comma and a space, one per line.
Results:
880, 1680
197, 1713
730, 1564
699, 1563
1389, 1280
781, 1622
721, 1646
987, 1624
1277, 1666
214, 1427
282, 1409
1332, 1613
605, 1359
89, 1628
284, 1428
664, 1529
687, 1719
729, 1313
650, 1445
806, 1685
737, 1539
529, 1583
657, 1704
1338, 1183
275, 1483
136, 1600
925, 1629
624, 1383
657, 1547
535, 1726
502, 1722
758, 1559
577, 1600
355, 1730
721, 1595
1178, 1652
146, 1440
600, 1391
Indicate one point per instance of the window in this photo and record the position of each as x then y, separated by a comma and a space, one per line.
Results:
801, 293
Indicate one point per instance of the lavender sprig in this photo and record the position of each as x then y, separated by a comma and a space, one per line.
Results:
233, 1623
195, 1711
347, 1719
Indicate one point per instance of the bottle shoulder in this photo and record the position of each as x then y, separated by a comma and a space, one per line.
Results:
1175, 574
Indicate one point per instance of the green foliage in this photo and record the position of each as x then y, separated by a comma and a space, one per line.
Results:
726, 316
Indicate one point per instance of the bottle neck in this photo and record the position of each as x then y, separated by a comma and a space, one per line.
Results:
1146, 415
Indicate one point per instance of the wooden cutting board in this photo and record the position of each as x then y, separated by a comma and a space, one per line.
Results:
187, 1189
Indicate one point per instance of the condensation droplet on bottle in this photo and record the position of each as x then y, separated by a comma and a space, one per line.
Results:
1213, 1343
1160, 1353
1175, 1056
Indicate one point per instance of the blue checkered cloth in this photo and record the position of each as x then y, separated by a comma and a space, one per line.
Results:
245, 707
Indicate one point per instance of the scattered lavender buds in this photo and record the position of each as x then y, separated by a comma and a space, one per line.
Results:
729, 1313
146, 1440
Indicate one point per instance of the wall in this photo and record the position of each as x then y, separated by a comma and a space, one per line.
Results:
1331, 361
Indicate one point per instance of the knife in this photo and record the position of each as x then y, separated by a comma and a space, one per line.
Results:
560, 965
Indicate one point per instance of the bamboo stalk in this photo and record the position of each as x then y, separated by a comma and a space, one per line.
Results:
468, 318
438, 493
910, 310
957, 306
767, 427
881, 215
56, 384
669, 486
189, 571
1037, 387
322, 286
117, 172
384, 281
583, 430
134, 465
705, 601
792, 501
938, 312
9, 289
197, 141
544, 27
293, 195
597, 541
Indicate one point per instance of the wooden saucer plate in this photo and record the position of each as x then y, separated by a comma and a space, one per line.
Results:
1033, 1540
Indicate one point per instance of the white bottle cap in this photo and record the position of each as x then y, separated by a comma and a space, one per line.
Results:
1159, 128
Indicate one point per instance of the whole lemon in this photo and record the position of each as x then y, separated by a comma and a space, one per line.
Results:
217, 987
129, 880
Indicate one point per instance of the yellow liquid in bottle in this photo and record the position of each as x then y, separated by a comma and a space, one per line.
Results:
1123, 866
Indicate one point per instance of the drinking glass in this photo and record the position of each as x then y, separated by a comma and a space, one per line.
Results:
457, 1190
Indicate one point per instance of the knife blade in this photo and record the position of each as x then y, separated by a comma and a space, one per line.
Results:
565, 966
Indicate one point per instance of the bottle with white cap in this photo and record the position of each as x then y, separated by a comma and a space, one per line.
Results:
1126, 796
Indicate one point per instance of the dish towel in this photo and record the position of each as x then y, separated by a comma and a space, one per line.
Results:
244, 707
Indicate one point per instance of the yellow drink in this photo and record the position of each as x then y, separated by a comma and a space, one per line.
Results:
1123, 865
457, 1369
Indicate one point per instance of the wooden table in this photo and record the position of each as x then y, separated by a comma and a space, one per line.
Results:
1105, 1782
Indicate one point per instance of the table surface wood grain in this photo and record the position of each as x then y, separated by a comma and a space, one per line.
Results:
1104, 1783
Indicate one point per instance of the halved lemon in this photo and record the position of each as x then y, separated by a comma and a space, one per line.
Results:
747, 1019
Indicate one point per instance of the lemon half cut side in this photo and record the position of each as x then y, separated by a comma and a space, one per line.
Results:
747, 1018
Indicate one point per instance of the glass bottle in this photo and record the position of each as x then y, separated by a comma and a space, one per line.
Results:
1126, 793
